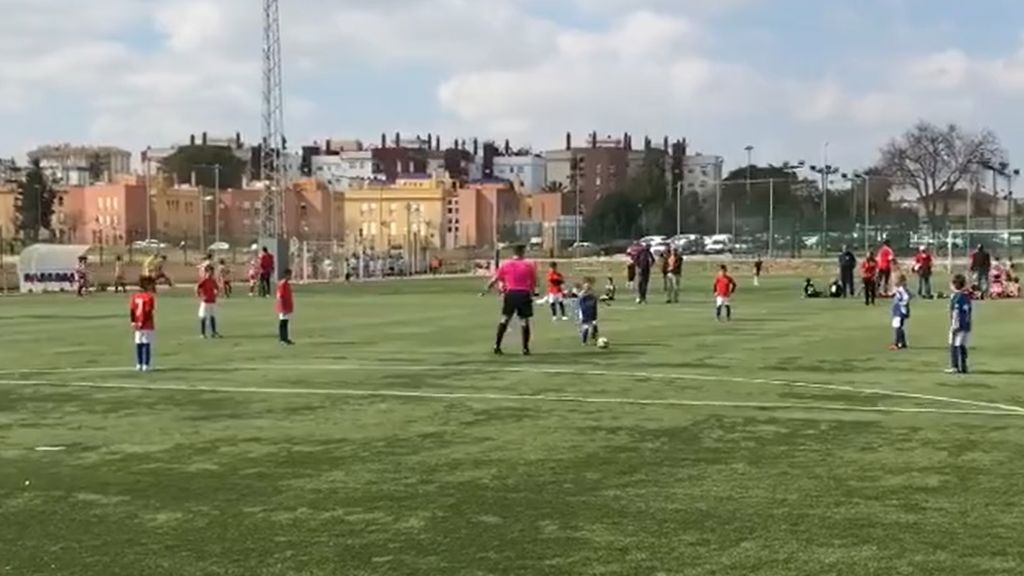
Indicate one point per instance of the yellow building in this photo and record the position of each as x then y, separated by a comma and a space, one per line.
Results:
411, 211
177, 216
8, 215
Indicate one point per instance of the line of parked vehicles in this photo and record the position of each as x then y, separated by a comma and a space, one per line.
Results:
694, 244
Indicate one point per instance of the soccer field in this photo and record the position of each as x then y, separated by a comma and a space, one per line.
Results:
391, 442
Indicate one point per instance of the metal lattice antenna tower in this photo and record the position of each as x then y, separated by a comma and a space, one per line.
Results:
274, 172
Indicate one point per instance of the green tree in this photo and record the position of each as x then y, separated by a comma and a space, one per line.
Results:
636, 208
34, 203
199, 159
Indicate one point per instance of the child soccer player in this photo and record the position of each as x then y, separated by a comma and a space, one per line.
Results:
960, 325
285, 307
119, 280
587, 304
609, 291
224, 277
758, 267
725, 287
143, 316
900, 313
556, 284
207, 291
82, 276
254, 276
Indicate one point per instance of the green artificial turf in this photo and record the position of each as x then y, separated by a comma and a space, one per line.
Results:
391, 442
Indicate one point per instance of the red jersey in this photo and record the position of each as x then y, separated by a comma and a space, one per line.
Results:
555, 282
724, 286
143, 311
285, 302
885, 258
868, 269
207, 290
266, 263
923, 261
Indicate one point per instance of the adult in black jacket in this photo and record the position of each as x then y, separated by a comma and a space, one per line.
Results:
847, 268
644, 260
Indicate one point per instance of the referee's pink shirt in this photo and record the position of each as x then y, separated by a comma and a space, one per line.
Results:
518, 275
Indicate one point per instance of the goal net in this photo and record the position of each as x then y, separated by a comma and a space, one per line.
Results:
1007, 245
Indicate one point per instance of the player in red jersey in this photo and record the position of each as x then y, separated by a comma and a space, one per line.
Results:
285, 307
725, 287
556, 291
142, 306
207, 290
886, 262
869, 276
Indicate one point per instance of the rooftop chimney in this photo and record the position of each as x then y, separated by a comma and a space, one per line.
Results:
568, 140
383, 140
430, 141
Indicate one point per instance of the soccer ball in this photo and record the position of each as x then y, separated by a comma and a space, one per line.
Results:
602, 343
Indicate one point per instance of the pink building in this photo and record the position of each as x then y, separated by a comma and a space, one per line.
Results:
478, 213
106, 214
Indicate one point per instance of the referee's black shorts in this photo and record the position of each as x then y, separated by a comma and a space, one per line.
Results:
517, 303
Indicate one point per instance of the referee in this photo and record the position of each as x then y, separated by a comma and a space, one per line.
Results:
517, 279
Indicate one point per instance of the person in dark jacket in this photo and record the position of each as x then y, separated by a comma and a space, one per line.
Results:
644, 261
981, 265
847, 268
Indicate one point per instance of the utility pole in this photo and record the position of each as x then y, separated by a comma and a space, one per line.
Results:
273, 145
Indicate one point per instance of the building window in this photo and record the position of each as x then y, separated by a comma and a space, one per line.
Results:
116, 202
393, 228
373, 228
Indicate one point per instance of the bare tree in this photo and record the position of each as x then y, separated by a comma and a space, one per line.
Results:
936, 161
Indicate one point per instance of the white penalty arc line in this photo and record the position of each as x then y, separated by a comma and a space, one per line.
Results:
502, 397
569, 371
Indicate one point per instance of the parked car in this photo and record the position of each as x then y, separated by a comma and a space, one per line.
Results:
148, 244
719, 244
219, 247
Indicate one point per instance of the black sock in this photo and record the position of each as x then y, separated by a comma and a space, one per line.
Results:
502, 328
526, 336
728, 312
202, 326
963, 359
954, 357
561, 308
213, 325
554, 309
282, 330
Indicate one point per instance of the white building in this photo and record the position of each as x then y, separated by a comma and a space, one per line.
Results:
338, 170
702, 173
65, 164
528, 173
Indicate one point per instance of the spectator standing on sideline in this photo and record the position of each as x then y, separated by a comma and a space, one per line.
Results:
644, 261
981, 265
675, 275
847, 267
266, 263
663, 262
886, 261
869, 277
923, 267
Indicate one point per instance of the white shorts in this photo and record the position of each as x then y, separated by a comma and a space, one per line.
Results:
555, 298
144, 336
898, 322
207, 310
959, 338
722, 301
284, 316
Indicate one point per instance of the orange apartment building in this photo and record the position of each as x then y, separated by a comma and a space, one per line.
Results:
479, 213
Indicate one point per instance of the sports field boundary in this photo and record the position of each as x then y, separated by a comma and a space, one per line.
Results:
432, 395
977, 406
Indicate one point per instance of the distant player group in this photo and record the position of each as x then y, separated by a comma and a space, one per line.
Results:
213, 282
516, 280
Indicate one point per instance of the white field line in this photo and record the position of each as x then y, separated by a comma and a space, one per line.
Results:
502, 397
567, 371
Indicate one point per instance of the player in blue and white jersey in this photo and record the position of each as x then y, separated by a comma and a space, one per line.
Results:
900, 313
961, 311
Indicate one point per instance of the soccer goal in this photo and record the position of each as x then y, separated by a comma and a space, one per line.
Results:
1004, 244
